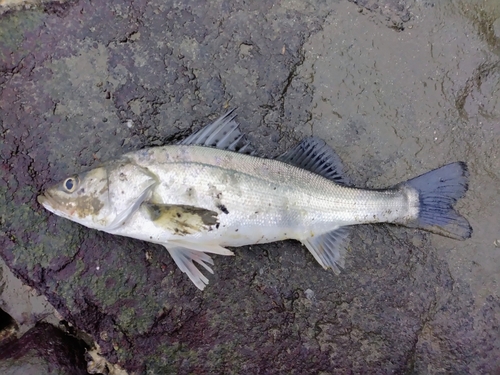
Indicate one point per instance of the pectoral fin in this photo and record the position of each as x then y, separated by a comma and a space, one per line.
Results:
181, 219
329, 248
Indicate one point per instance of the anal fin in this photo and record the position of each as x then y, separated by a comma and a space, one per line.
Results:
329, 248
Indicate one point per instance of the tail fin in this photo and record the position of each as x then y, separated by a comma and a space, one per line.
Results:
438, 191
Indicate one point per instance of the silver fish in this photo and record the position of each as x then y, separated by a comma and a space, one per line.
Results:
208, 193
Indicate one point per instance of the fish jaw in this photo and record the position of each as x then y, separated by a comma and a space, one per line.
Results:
49, 203
45, 199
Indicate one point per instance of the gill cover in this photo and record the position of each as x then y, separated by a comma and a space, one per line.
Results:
128, 186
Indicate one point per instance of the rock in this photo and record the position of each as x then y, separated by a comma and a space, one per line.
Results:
44, 349
104, 78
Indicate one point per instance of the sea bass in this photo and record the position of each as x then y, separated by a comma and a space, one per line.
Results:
210, 192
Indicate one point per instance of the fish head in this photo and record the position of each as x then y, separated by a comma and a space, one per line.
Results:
82, 198
101, 198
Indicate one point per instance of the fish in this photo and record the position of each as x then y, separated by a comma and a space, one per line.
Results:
211, 192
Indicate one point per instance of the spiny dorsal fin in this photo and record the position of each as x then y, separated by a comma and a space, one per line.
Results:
223, 134
316, 156
329, 248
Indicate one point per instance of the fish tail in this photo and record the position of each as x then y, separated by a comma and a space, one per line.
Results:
438, 191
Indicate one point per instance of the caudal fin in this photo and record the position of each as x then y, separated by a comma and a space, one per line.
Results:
438, 191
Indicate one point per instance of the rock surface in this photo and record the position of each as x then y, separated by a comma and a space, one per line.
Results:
43, 350
89, 81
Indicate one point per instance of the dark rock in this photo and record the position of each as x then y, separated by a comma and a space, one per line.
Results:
43, 350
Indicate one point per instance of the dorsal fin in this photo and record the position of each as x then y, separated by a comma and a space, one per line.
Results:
316, 156
223, 134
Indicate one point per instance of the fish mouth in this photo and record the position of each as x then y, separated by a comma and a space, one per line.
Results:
46, 200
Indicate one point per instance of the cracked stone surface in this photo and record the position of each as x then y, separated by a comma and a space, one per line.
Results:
397, 88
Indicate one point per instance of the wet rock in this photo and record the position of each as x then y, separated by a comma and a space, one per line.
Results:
23, 304
53, 6
108, 77
43, 350
496, 28
395, 13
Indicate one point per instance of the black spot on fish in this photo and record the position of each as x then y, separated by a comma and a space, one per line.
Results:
223, 208
154, 211
178, 214
217, 225
236, 230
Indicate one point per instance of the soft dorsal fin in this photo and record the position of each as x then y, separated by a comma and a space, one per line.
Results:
223, 133
329, 248
316, 156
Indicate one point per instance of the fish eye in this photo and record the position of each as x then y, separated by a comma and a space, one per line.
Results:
70, 184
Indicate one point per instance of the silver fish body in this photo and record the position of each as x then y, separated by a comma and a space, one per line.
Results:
257, 200
195, 199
